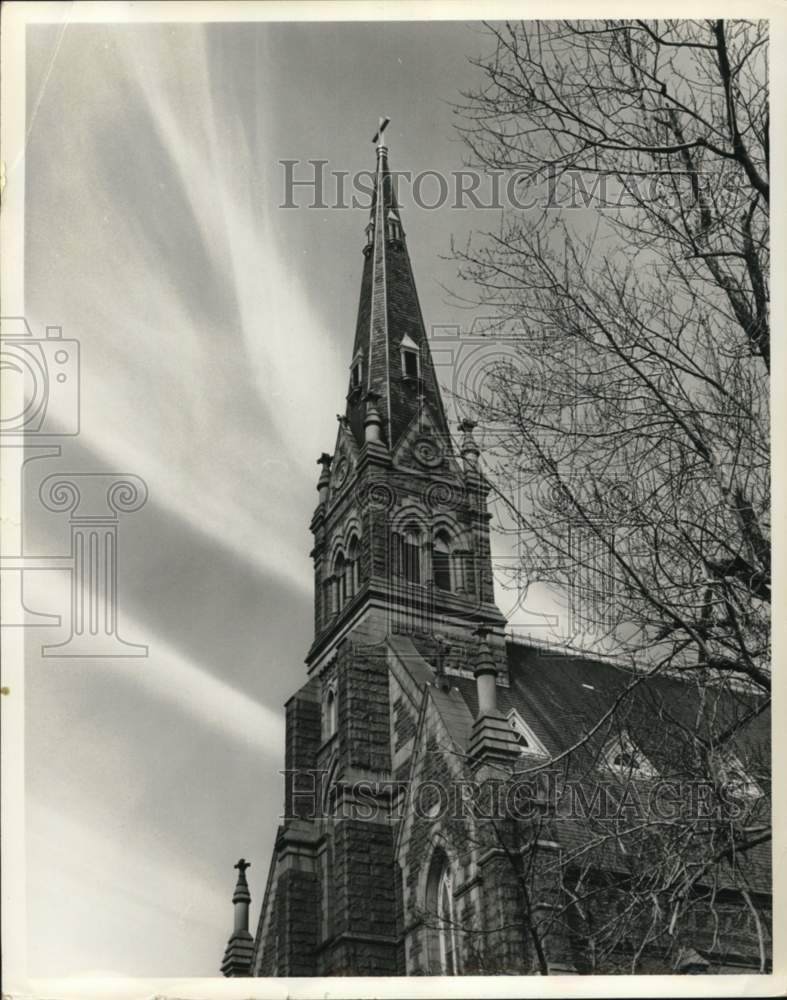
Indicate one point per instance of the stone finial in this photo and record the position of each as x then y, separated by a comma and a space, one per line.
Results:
485, 673
240, 947
469, 449
325, 476
372, 421
492, 740
242, 894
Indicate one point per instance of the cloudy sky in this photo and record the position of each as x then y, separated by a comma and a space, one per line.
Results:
215, 330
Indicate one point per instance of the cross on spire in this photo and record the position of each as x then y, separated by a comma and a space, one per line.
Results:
241, 894
383, 125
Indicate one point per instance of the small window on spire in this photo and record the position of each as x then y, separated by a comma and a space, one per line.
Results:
410, 359
410, 364
355, 375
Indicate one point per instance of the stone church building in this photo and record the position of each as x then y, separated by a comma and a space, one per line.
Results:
442, 787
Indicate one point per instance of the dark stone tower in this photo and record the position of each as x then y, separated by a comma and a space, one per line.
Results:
401, 563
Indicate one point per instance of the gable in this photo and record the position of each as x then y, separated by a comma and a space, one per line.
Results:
438, 754
345, 457
424, 447
527, 738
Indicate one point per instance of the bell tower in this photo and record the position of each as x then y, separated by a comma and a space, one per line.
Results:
401, 529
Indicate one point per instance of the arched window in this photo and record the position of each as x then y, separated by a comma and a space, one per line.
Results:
340, 582
407, 554
331, 714
353, 568
458, 567
443, 955
445, 912
441, 561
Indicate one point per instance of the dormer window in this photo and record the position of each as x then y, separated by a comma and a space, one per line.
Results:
356, 375
525, 737
625, 760
411, 367
733, 776
394, 225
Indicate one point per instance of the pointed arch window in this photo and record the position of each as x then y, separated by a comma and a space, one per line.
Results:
331, 712
443, 953
441, 561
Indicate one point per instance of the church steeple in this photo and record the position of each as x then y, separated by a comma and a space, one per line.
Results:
401, 529
391, 355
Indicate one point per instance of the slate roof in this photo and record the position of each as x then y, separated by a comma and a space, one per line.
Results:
563, 696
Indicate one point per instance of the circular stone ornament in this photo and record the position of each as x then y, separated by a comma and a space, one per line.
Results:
428, 452
340, 473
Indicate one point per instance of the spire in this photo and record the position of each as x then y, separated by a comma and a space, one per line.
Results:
237, 956
391, 356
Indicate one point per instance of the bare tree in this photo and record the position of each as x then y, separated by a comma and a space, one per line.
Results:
635, 455
638, 409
